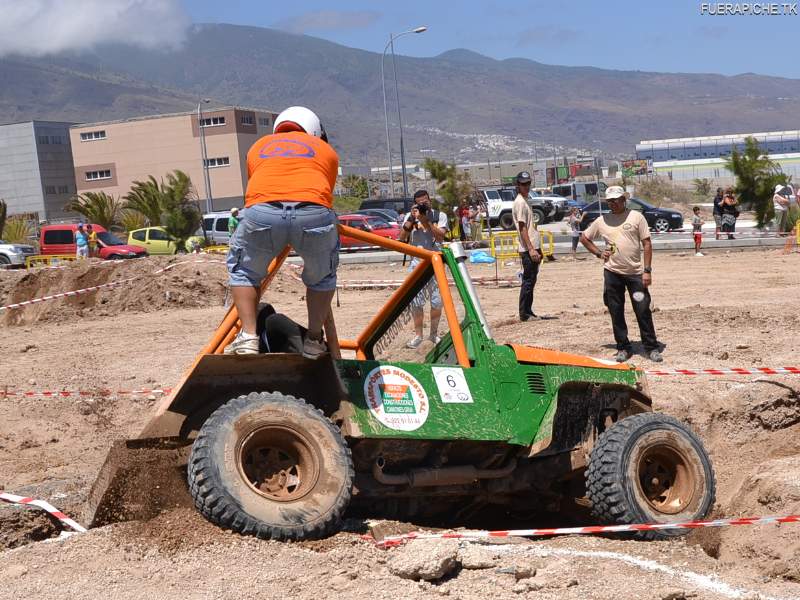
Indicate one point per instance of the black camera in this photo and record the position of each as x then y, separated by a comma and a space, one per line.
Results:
422, 208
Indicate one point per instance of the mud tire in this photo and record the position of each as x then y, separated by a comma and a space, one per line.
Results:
506, 221
221, 470
627, 459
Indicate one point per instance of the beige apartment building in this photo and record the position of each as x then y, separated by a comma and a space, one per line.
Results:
111, 155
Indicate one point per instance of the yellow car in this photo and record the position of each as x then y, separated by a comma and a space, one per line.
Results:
156, 240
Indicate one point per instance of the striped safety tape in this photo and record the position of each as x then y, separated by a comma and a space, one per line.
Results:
46, 506
79, 393
395, 540
110, 284
730, 371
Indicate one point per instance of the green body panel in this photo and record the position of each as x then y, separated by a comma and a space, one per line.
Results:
511, 402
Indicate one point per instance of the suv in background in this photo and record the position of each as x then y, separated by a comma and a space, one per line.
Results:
499, 202
396, 204
14, 254
581, 192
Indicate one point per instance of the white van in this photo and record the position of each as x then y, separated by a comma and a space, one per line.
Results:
216, 227
582, 192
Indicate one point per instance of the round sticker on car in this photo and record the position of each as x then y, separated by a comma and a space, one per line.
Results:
396, 398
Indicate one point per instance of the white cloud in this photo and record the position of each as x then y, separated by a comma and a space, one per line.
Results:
38, 27
328, 20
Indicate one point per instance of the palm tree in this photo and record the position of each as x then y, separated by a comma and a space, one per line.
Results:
146, 198
181, 216
97, 207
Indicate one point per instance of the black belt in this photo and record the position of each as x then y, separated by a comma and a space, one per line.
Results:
278, 204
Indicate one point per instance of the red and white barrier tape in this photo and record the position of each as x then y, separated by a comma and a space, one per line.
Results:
730, 371
80, 393
395, 540
110, 284
46, 506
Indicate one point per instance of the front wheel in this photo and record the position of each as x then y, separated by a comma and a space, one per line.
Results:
650, 468
4, 260
272, 466
661, 225
538, 216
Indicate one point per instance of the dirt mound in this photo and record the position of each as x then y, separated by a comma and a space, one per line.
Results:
158, 283
21, 525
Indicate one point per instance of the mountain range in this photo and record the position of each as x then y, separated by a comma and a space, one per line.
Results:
457, 104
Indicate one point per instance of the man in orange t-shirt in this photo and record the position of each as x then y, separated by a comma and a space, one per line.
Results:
289, 200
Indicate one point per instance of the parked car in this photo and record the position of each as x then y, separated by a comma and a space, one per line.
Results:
387, 214
157, 241
14, 254
60, 239
395, 204
216, 226
561, 204
374, 225
658, 219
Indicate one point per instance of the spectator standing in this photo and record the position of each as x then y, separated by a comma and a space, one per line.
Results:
81, 242
717, 212
466, 231
233, 221
625, 233
91, 236
780, 203
730, 212
574, 220
289, 200
530, 245
697, 230
424, 227
475, 222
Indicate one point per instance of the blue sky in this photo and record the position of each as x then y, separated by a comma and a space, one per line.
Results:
665, 35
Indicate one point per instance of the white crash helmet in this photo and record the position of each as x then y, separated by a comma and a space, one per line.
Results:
301, 116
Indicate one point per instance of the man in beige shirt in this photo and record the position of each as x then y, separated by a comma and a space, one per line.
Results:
530, 247
625, 233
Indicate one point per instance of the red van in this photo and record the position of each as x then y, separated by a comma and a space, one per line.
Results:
60, 239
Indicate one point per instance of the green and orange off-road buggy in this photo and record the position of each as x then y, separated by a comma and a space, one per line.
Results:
279, 446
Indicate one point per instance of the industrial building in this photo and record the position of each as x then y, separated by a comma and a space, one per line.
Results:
685, 159
111, 155
37, 178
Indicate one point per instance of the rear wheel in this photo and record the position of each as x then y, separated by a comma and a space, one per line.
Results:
507, 221
538, 216
272, 466
650, 468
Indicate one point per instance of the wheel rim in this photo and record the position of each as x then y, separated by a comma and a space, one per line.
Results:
537, 218
662, 225
666, 479
278, 463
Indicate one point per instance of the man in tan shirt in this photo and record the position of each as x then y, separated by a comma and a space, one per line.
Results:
530, 247
625, 233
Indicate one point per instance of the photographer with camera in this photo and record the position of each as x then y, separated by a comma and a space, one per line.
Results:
424, 227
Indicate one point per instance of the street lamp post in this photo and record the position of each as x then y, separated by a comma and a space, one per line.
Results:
390, 44
204, 154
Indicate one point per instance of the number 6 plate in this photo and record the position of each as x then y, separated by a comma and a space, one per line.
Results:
452, 384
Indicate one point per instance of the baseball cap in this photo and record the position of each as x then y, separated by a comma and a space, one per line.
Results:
523, 177
616, 191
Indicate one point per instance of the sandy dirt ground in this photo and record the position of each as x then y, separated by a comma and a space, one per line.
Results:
724, 310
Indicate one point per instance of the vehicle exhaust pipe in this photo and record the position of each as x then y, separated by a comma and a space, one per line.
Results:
426, 477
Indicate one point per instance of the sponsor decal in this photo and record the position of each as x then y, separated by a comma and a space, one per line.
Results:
396, 398
452, 384
285, 148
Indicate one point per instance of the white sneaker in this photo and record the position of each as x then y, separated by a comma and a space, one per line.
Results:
414, 344
435, 339
698, 254
313, 349
243, 343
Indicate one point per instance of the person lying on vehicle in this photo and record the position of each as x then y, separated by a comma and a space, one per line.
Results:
277, 332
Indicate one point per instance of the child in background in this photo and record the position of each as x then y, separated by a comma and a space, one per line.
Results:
697, 230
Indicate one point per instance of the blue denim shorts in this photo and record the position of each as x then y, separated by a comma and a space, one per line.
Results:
267, 228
